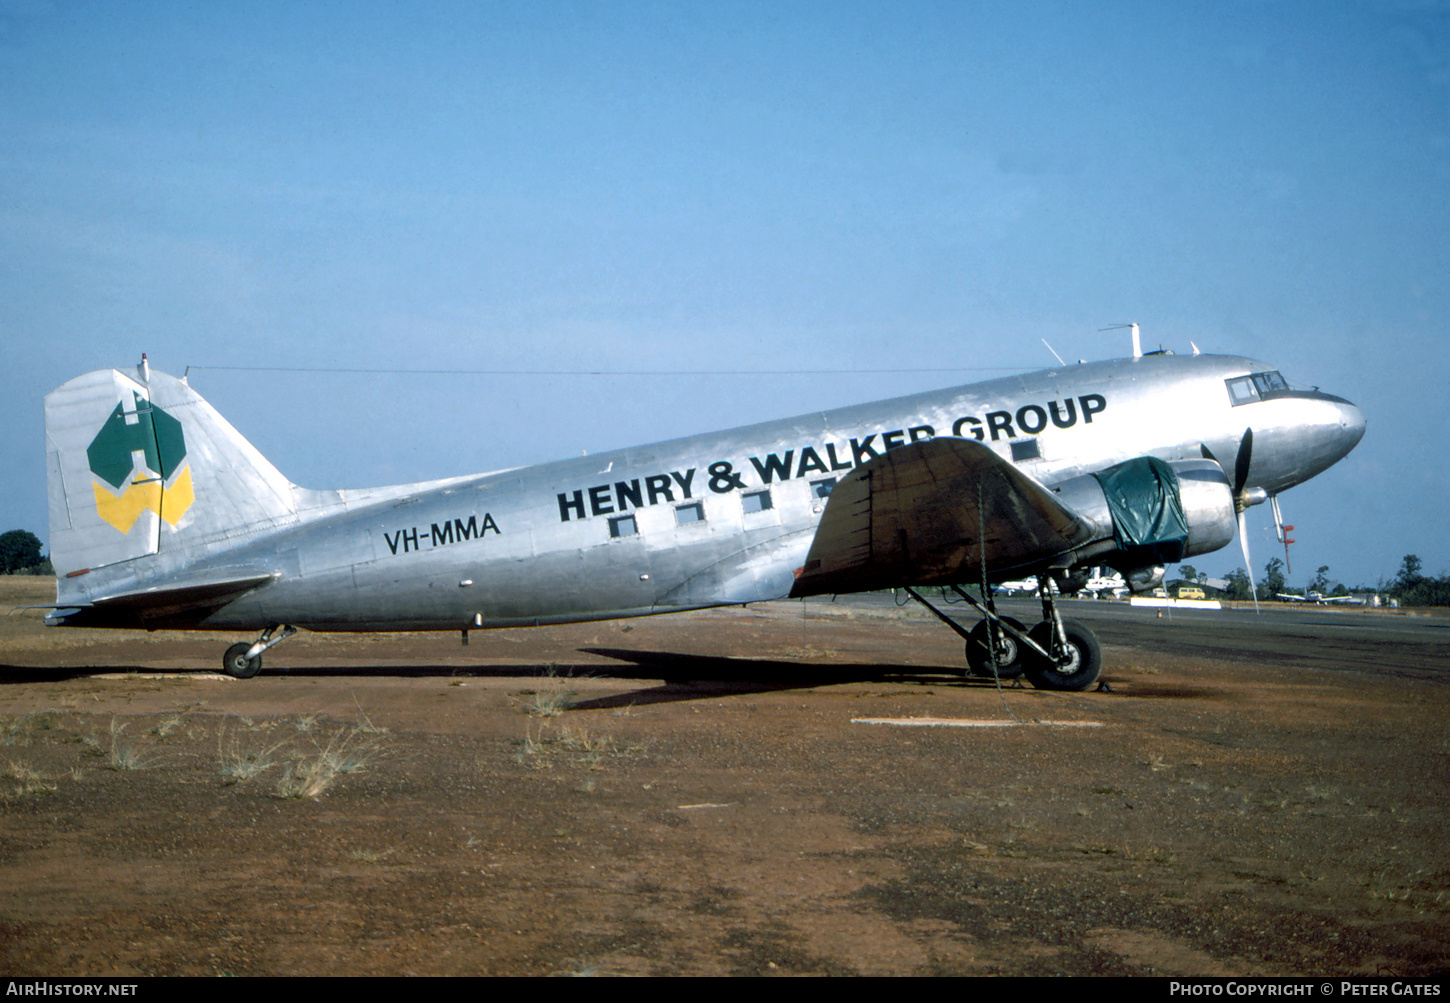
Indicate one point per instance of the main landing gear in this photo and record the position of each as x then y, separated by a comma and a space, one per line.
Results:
983, 642
245, 660
1056, 654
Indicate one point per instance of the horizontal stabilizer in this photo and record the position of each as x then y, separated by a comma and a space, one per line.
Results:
930, 513
177, 605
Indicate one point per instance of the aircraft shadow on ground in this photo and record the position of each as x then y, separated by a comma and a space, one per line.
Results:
685, 676
696, 677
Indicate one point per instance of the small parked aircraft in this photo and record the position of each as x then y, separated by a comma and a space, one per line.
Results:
1110, 585
1319, 599
163, 516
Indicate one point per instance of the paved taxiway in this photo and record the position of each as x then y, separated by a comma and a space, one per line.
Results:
1355, 640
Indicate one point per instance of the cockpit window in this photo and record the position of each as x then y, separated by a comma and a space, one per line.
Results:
1259, 386
1242, 391
1269, 382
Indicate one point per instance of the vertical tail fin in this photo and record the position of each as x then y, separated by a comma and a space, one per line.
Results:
143, 466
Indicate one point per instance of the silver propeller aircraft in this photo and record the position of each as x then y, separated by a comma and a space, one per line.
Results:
163, 516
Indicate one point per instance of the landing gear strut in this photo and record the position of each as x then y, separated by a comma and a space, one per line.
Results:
982, 644
1056, 654
244, 661
1065, 655
1076, 667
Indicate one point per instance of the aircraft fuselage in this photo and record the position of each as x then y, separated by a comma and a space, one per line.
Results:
728, 517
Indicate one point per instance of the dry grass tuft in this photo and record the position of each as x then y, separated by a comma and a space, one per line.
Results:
32, 781
312, 775
365, 724
551, 699
165, 727
306, 773
16, 770
124, 756
583, 750
21, 731
550, 702
237, 764
534, 750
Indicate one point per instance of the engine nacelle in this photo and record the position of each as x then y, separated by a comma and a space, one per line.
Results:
1149, 512
1141, 581
1208, 504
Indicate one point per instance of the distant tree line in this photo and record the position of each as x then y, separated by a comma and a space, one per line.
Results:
1409, 586
20, 554
1414, 589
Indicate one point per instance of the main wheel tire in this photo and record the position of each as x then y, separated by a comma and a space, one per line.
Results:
979, 651
1078, 674
236, 663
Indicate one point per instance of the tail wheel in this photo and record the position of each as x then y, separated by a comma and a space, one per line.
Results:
1083, 668
979, 651
236, 663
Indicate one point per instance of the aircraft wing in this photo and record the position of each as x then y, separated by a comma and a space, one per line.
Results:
929, 513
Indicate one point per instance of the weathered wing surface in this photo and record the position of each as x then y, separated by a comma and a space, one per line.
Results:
922, 514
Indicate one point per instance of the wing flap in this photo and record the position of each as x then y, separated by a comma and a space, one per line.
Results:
928, 513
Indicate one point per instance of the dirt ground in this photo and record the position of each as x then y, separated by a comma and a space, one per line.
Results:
702, 794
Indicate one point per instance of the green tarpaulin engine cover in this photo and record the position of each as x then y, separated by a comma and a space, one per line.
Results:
1148, 522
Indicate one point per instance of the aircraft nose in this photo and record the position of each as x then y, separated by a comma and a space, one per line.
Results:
1351, 426
1322, 432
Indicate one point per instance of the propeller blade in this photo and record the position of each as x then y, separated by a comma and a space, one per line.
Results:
1242, 461
1248, 562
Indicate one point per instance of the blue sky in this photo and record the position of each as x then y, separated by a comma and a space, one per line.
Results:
716, 187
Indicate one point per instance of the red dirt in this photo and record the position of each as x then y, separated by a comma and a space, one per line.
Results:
1218, 819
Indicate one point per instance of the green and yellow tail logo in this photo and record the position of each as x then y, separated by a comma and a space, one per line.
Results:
139, 460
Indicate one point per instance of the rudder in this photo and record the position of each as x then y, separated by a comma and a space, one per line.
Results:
141, 466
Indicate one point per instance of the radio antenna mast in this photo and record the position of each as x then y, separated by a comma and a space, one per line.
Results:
1137, 344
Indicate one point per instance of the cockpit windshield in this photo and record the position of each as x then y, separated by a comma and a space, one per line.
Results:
1259, 386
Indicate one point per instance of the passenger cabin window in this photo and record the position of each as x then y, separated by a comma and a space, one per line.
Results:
693, 512
622, 526
756, 501
1025, 450
1259, 386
